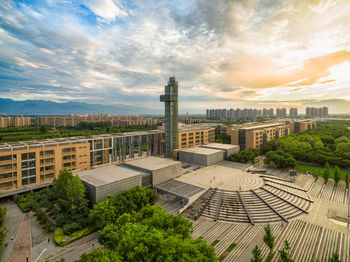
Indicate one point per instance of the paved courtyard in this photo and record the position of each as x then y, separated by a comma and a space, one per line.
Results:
222, 177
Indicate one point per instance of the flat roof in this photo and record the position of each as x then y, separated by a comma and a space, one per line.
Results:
106, 175
22, 145
200, 150
219, 145
152, 163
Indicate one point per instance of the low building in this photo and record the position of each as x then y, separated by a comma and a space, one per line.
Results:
14, 121
227, 149
161, 169
109, 180
201, 156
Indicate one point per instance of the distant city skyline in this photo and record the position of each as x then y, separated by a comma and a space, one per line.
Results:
228, 54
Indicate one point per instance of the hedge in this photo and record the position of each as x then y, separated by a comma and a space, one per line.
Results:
59, 235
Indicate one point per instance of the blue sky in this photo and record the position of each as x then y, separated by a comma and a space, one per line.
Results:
228, 53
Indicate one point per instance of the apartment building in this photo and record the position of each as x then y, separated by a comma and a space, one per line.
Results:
314, 112
254, 135
24, 164
13, 121
293, 112
281, 112
73, 120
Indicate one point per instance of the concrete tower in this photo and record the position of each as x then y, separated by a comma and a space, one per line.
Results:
171, 116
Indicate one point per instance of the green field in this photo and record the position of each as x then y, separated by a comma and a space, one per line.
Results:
319, 170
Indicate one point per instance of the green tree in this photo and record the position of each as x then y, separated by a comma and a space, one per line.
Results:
269, 239
133, 199
326, 173
256, 255
280, 159
244, 156
43, 129
100, 255
284, 253
334, 257
336, 175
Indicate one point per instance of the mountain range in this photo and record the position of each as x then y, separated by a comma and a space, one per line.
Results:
42, 107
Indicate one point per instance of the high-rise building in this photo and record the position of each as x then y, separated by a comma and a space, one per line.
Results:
281, 113
293, 112
314, 112
171, 116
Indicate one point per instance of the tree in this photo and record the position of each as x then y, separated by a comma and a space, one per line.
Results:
334, 257
326, 173
269, 239
256, 255
284, 253
43, 129
133, 199
244, 156
100, 255
336, 175
280, 159
71, 198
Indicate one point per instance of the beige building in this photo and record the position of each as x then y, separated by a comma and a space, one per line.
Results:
195, 135
254, 135
73, 120
298, 126
34, 162
9, 121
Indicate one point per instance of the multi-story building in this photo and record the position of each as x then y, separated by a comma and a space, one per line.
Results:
314, 112
13, 121
195, 135
298, 126
189, 121
293, 112
281, 112
34, 162
73, 120
255, 135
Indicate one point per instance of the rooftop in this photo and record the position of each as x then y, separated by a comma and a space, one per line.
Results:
219, 145
200, 150
106, 175
21, 145
151, 163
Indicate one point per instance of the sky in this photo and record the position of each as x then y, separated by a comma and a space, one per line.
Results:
224, 53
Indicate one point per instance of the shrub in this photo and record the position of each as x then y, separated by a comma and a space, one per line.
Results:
70, 228
59, 235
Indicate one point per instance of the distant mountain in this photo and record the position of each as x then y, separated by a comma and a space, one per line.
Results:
42, 107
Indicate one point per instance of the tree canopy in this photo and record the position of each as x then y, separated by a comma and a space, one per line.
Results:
245, 156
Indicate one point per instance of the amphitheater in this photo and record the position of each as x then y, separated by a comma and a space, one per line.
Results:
241, 197
236, 205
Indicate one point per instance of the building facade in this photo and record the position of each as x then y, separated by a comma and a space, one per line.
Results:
73, 120
35, 162
298, 126
195, 136
255, 135
170, 98
14, 121
281, 112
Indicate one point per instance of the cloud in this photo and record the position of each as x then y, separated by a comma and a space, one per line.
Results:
230, 52
108, 10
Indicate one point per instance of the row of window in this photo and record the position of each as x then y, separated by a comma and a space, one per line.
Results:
47, 153
9, 166
69, 149
7, 158
47, 160
8, 175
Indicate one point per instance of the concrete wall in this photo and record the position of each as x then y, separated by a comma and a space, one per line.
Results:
164, 174
201, 159
100, 193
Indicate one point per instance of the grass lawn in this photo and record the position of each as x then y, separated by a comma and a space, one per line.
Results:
319, 170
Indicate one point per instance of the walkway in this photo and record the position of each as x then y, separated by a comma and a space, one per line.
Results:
22, 248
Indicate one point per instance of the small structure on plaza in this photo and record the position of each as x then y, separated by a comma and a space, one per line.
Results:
161, 169
109, 180
227, 148
201, 156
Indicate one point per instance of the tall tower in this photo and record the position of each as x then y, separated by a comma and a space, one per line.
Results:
171, 116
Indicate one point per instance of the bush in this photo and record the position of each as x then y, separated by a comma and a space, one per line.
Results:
244, 156
70, 228
59, 235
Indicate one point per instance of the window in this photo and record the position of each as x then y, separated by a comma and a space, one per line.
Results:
66, 150
27, 156
6, 175
49, 152
66, 164
49, 168
49, 160
7, 184
49, 175
4, 167
5, 158
66, 157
